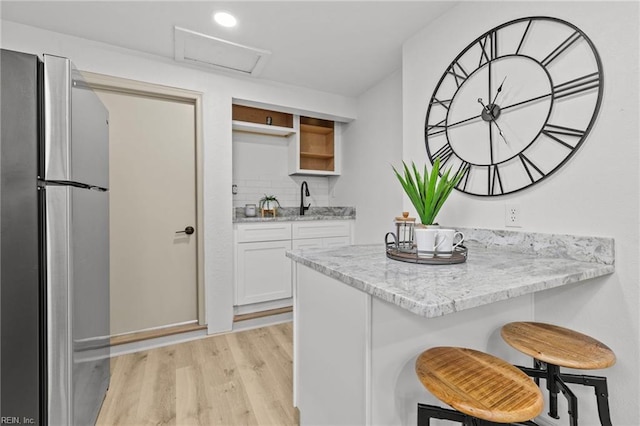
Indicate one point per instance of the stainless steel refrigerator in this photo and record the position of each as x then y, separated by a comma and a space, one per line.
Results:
54, 252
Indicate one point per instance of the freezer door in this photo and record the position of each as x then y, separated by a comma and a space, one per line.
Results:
76, 127
78, 290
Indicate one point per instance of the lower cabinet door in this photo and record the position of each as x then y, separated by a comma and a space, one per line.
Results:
263, 272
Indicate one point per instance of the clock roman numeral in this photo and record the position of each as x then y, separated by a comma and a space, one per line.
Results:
464, 168
561, 48
557, 132
530, 167
458, 73
577, 85
439, 126
445, 103
524, 36
444, 154
495, 181
489, 48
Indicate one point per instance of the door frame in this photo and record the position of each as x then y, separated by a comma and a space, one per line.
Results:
133, 87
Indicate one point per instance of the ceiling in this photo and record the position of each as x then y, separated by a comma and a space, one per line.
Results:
341, 47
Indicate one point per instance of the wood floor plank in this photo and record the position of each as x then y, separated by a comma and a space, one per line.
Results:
242, 378
121, 402
226, 390
157, 400
260, 378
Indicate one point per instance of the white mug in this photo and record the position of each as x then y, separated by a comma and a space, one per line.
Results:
445, 243
426, 241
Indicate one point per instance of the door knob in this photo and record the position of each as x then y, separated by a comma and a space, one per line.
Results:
188, 230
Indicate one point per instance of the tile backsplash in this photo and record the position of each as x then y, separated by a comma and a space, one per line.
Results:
285, 188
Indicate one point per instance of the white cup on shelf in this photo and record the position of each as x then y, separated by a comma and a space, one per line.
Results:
427, 241
446, 241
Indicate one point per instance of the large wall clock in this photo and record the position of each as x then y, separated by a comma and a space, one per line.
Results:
515, 105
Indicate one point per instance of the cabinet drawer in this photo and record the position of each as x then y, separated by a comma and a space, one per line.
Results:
247, 233
336, 242
308, 243
321, 228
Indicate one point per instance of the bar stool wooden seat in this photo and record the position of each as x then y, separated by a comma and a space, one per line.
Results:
552, 347
483, 389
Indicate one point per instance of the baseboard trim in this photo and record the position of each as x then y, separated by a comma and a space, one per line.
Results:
261, 314
155, 333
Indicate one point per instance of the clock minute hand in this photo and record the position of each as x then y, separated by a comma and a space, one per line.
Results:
499, 90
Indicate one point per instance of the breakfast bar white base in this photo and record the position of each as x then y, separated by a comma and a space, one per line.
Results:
354, 354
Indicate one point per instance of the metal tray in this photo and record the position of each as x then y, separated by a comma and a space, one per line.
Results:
459, 255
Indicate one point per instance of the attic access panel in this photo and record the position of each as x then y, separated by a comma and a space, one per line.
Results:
203, 50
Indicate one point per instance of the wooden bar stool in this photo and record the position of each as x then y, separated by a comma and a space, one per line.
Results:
553, 347
483, 389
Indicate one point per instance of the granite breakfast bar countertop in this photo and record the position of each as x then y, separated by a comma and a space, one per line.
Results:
500, 265
361, 319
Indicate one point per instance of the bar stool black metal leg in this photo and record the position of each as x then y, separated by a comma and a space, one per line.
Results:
552, 387
571, 400
428, 412
601, 390
602, 397
538, 365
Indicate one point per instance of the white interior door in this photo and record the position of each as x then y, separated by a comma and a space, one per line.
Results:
152, 196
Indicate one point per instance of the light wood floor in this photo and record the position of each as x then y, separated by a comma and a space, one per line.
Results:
243, 378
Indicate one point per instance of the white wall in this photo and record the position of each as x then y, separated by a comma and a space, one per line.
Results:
218, 91
260, 167
373, 143
595, 193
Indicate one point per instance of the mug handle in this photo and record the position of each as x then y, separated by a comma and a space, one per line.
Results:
461, 239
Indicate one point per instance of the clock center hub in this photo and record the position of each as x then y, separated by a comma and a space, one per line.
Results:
491, 112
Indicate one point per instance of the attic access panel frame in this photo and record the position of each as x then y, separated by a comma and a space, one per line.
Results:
213, 52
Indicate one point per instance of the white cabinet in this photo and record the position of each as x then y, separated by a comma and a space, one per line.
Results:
262, 270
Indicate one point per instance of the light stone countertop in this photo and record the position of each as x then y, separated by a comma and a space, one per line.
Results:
500, 265
292, 214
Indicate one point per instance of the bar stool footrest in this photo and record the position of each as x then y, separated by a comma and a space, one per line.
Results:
428, 412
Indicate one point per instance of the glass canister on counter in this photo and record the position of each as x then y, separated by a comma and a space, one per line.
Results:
405, 227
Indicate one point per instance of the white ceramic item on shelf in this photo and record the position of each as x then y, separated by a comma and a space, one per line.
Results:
445, 241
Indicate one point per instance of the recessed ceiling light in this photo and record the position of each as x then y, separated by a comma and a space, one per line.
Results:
225, 19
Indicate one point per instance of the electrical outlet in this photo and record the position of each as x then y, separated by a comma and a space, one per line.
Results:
512, 215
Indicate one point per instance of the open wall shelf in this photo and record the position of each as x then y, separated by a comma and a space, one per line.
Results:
313, 142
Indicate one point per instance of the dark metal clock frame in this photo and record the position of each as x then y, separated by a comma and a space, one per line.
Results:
490, 111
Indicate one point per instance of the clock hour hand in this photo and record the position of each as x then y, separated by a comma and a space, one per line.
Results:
492, 118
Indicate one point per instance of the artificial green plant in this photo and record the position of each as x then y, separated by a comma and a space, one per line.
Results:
428, 192
271, 199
